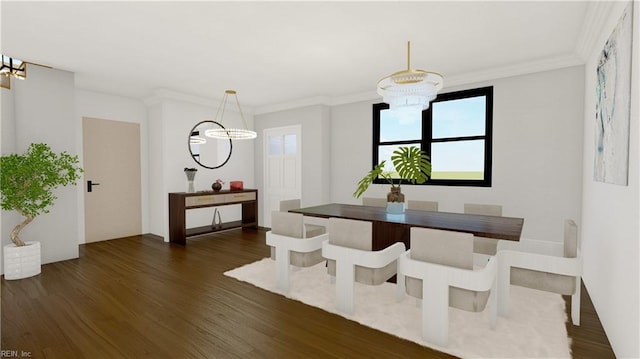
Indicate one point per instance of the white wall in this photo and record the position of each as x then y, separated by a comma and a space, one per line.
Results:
8, 219
316, 156
8, 123
611, 215
115, 108
44, 112
157, 194
169, 150
537, 152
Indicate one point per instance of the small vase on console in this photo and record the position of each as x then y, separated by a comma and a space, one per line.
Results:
191, 175
217, 185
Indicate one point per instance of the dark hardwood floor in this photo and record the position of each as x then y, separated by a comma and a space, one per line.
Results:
139, 297
589, 339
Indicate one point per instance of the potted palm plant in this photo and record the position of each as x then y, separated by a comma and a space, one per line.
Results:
27, 182
410, 163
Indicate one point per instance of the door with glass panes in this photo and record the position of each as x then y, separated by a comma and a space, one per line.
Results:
282, 168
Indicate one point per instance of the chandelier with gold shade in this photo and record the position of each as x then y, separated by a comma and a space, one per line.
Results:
410, 89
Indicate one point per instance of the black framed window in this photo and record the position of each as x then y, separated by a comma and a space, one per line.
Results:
455, 131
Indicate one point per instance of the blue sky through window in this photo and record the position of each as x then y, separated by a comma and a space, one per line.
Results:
454, 118
458, 156
400, 126
458, 118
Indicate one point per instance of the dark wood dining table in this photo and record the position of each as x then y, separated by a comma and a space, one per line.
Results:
391, 228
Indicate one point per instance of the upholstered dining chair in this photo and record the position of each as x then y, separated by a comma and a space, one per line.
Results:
351, 259
422, 205
439, 270
374, 202
482, 245
544, 265
311, 230
291, 246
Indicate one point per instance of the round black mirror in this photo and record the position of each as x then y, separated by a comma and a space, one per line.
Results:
208, 152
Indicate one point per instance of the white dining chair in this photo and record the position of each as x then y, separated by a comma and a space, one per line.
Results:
374, 202
311, 230
291, 247
439, 269
483, 245
422, 205
485, 209
543, 265
351, 259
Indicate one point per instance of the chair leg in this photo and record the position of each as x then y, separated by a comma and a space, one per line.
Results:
282, 269
345, 283
504, 285
493, 304
400, 287
575, 303
435, 310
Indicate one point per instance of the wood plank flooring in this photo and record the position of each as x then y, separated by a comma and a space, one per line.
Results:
139, 297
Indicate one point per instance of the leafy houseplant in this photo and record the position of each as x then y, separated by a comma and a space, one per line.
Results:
410, 163
28, 180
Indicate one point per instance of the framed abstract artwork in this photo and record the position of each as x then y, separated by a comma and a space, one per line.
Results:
613, 104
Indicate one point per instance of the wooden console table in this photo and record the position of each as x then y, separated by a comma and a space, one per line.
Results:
180, 202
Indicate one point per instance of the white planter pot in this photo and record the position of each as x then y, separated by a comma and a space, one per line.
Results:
22, 262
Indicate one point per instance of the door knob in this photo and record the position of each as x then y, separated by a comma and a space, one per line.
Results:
90, 184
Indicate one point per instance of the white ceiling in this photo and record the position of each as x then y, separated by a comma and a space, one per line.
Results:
282, 52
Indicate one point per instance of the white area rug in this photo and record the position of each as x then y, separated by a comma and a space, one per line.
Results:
534, 329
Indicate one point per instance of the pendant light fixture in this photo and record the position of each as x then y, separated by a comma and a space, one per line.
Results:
230, 133
410, 89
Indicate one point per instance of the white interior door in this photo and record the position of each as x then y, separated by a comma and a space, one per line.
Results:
282, 168
111, 161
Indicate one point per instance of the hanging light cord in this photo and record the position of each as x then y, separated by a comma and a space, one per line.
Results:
408, 55
230, 133
222, 108
241, 114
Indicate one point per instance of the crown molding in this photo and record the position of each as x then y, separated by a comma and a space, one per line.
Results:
594, 21
542, 65
162, 94
309, 101
357, 97
151, 101
450, 81
319, 100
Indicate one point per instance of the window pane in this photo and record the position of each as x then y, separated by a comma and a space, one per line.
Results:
458, 160
395, 126
194, 142
195, 149
290, 144
459, 118
275, 145
384, 154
